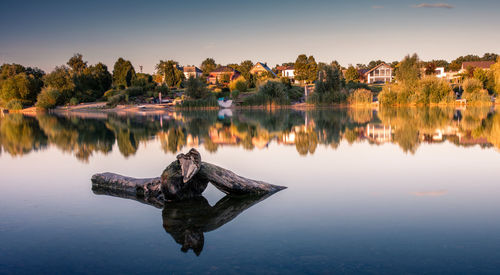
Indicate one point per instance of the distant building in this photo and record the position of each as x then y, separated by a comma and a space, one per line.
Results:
192, 71
448, 76
260, 69
382, 73
485, 65
218, 75
286, 71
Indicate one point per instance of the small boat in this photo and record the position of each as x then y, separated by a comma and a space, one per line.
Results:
223, 103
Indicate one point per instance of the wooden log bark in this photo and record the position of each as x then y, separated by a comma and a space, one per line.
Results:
185, 178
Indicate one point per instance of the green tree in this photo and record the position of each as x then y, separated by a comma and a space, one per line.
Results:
208, 65
408, 72
306, 68
172, 76
123, 73
77, 64
61, 80
352, 75
244, 68
19, 84
196, 88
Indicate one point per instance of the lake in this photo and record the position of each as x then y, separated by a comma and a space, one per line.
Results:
407, 190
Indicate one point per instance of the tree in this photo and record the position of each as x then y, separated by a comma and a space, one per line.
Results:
329, 88
77, 64
19, 84
374, 63
123, 73
196, 88
352, 75
430, 68
172, 76
244, 68
306, 68
495, 69
408, 72
60, 79
208, 65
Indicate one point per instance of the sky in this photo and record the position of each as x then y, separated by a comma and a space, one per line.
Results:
46, 34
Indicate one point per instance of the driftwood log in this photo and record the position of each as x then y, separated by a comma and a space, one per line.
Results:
185, 178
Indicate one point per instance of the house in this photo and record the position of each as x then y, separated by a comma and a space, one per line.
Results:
260, 69
192, 71
448, 76
485, 65
286, 71
382, 73
223, 74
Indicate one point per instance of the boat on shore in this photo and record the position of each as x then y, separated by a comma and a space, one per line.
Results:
223, 103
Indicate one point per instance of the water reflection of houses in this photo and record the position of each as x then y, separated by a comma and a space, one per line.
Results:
379, 133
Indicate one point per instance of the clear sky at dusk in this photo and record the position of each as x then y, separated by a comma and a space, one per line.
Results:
47, 33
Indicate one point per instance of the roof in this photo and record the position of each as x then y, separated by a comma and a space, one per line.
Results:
265, 67
192, 69
477, 64
224, 69
376, 67
284, 68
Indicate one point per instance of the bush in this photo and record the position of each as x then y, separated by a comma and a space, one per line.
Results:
474, 92
14, 104
110, 93
329, 88
73, 101
113, 101
235, 94
48, 99
295, 93
239, 84
134, 91
434, 90
361, 96
196, 88
209, 101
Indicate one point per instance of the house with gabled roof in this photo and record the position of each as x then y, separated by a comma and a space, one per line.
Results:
192, 71
382, 73
485, 65
260, 69
218, 75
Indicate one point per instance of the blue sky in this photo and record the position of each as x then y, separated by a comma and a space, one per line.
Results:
47, 33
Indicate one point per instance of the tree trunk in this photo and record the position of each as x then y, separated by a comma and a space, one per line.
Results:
185, 178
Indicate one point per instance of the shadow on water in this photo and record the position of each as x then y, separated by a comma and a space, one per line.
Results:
83, 135
187, 221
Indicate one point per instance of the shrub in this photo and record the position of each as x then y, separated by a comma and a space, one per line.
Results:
209, 101
474, 92
239, 84
329, 88
196, 88
110, 93
235, 94
434, 90
73, 101
113, 101
48, 98
134, 91
361, 96
14, 104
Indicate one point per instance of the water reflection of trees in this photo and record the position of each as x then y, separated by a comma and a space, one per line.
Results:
252, 130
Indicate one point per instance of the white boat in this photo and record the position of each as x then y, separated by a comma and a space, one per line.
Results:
225, 103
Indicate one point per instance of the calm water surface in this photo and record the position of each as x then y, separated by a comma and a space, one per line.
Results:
389, 191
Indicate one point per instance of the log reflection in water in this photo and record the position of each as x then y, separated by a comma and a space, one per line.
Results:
187, 220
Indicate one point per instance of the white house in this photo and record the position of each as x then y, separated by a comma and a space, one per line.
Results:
382, 73
287, 71
440, 72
